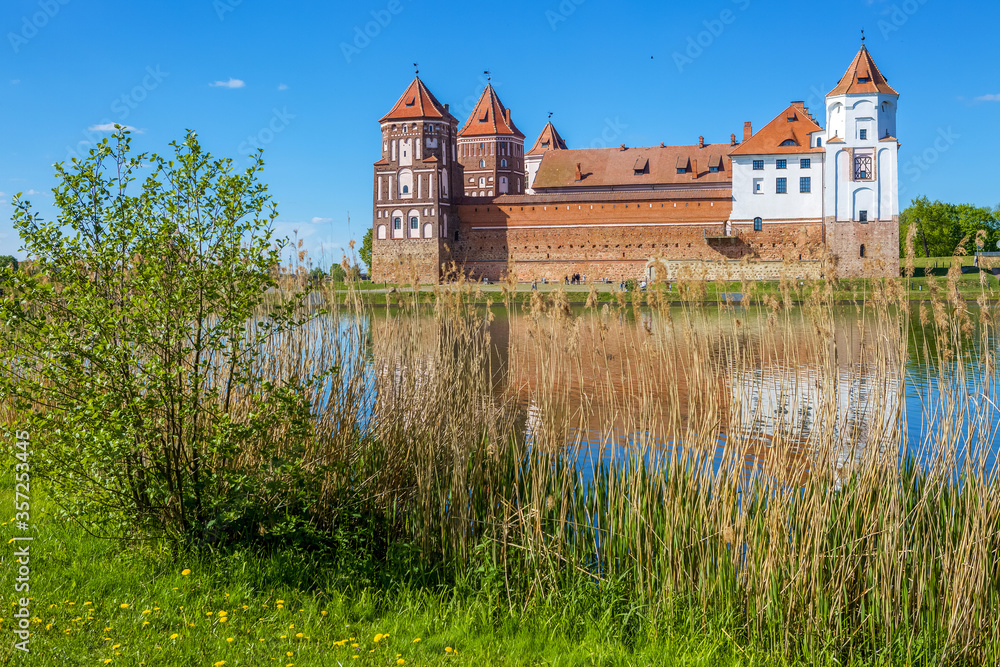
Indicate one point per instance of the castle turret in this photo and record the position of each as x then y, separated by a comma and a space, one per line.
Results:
416, 182
861, 206
549, 140
491, 150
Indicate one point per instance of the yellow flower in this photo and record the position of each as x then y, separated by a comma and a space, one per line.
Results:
145, 623
289, 654
174, 636
209, 613
300, 635
86, 604
147, 611
279, 602
219, 664
448, 649
107, 661
124, 605
223, 619
400, 662
116, 646
291, 626
379, 637
280, 606
229, 639
223, 613
416, 640
185, 572
322, 613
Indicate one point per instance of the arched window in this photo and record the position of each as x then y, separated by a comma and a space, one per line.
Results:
482, 163
404, 127
482, 181
414, 223
503, 163
397, 223
381, 232
862, 251
428, 231
406, 189
789, 142
819, 142
757, 224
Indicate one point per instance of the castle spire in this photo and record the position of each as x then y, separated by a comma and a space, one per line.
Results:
863, 76
490, 118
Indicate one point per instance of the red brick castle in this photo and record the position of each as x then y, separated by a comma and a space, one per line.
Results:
473, 198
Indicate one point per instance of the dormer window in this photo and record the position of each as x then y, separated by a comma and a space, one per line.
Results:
819, 142
681, 170
545, 144
791, 118
789, 142
713, 170
864, 79
641, 166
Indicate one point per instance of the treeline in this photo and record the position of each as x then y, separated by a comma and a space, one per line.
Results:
943, 227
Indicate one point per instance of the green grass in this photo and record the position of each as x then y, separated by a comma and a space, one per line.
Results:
97, 602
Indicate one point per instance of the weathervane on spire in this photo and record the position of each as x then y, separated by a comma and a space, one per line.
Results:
489, 75
550, 115
862, 36
417, 68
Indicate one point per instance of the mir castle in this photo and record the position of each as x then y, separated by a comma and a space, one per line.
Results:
471, 199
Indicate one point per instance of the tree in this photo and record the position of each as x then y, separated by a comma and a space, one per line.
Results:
337, 273
6, 261
137, 349
941, 227
366, 250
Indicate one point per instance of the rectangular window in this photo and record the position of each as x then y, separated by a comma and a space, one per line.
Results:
862, 216
805, 163
414, 223
781, 164
713, 170
862, 167
863, 135
758, 186
781, 186
805, 184
397, 223
758, 165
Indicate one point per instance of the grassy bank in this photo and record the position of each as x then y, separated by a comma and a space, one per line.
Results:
94, 602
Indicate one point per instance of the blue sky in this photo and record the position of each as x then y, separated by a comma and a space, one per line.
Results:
303, 80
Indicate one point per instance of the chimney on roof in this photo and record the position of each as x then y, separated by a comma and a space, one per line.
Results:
662, 145
446, 107
507, 116
622, 147
732, 139
747, 131
799, 103
701, 142
579, 174
694, 169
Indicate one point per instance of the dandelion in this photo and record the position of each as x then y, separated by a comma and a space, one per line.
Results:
230, 640
124, 605
400, 661
219, 664
300, 635
416, 640
290, 654
185, 572
448, 649
174, 636
322, 613
107, 661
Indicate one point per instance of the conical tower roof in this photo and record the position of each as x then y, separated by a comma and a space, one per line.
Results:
490, 117
548, 140
863, 76
416, 103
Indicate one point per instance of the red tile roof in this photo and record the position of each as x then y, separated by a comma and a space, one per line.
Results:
548, 140
614, 167
863, 76
792, 125
417, 102
490, 117
724, 191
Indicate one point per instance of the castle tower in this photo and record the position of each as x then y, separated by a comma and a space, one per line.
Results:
491, 150
416, 183
861, 203
548, 140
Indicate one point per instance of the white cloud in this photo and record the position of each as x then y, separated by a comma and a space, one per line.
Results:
320, 221
988, 98
14, 82
282, 86
32, 192
232, 83
110, 127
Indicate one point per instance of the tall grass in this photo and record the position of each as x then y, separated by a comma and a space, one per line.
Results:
744, 467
